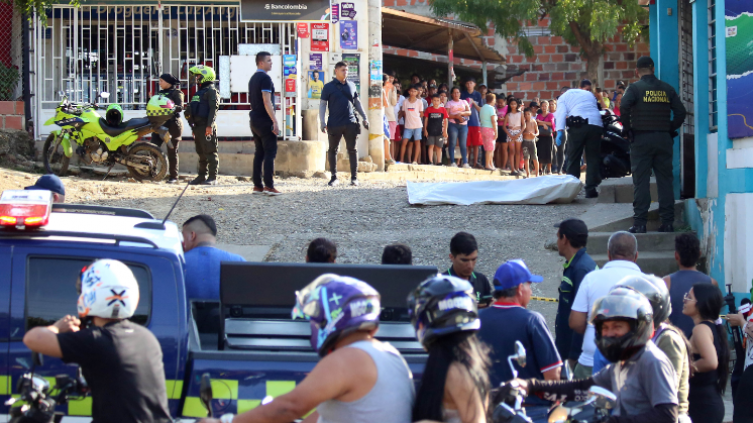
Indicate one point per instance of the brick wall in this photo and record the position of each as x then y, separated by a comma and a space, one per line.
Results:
12, 115
555, 64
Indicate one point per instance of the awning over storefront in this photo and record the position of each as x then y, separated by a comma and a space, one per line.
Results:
432, 35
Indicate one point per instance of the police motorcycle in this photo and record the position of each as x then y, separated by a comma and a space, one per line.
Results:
615, 149
595, 409
108, 141
39, 400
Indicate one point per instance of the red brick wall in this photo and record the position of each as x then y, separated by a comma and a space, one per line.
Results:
12, 115
557, 64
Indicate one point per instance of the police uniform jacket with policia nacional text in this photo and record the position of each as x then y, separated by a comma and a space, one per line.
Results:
202, 111
648, 105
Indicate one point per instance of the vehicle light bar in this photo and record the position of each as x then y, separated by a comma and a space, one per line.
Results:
25, 208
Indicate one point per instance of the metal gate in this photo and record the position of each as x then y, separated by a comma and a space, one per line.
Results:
123, 49
687, 132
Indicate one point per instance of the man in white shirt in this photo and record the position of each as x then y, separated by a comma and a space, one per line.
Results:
622, 251
578, 111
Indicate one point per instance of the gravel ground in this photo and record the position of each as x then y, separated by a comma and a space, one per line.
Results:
360, 220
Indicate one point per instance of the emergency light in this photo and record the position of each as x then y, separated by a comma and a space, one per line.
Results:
25, 208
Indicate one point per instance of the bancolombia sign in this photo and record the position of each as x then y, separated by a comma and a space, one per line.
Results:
284, 10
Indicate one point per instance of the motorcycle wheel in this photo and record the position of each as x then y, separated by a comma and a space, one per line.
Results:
55, 160
147, 154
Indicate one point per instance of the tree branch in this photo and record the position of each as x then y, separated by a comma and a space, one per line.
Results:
582, 40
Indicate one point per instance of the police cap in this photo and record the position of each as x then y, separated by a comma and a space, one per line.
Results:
645, 62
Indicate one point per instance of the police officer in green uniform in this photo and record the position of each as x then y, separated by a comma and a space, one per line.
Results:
201, 114
651, 114
170, 88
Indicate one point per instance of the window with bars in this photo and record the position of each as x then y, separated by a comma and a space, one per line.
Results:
713, 99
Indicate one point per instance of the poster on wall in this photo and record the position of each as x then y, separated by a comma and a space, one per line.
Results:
334, 17
348, 10
289, 73
349, 35
319, 37
739, 26
303, 29
354, 68
315, 61
316, 84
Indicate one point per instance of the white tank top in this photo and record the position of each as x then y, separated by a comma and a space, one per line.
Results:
389, 401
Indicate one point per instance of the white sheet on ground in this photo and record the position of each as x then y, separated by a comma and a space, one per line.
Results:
542, 190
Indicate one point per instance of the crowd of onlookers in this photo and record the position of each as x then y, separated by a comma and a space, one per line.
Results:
469, 126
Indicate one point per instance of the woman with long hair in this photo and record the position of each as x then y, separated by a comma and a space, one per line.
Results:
455, 382
710, 363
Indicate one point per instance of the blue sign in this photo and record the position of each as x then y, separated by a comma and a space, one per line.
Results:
349, 35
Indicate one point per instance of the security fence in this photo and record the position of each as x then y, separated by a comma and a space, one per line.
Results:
10, 53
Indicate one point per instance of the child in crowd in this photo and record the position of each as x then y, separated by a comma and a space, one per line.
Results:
500, 152
443, 97
514, 125
400, 122
435, 129
412, 110
530, 132
488, 121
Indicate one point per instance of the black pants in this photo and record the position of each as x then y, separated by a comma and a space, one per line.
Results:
350, 132
743, 405
652, 151
588, 138
172, 152
209, 160
265, 142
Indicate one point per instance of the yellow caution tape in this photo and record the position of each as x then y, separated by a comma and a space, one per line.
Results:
550, 300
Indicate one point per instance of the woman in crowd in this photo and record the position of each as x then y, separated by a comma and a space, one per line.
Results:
500, 153
514, 125
545, 120
617, 101
321, 250
458, 110
488, 120
455, 383
710, 364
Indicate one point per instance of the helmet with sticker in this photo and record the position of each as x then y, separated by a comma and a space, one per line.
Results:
108, 290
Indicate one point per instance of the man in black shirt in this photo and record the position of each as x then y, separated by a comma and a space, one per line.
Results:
463, 254
263, 124
121, 360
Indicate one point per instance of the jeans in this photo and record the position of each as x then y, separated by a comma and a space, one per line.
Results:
457, 134
335, 134
265, 142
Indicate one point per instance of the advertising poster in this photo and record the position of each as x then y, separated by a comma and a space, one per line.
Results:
375, 84
319, 37
349, 35
315, 61
739, 22
316, 84
335, 15
354, 68
347, 10
303, 30
289, 73
283, 10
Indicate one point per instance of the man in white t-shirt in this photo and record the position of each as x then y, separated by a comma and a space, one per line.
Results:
622, 251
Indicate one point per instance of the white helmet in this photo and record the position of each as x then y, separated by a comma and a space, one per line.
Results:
108, 290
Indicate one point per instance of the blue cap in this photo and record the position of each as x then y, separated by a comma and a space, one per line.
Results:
49, 182
513, 273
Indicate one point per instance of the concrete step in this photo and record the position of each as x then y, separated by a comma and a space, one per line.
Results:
648, 242
620, 190
619, 217
659, 263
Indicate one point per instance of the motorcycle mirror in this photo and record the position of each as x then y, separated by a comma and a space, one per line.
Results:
61, 93
104, 95
205, 393
558, 415
602, 397
520, 354
37, 359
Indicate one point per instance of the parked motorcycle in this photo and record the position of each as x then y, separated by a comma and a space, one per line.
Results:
595, 409
97, 142
39, 402
510, 409
615, 149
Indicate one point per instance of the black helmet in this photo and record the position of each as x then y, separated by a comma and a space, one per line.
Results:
655, 290
623, 304
442, 305
114, 116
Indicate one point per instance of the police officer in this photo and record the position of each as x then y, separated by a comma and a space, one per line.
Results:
578, 111
170, 87
647, 121
201, 115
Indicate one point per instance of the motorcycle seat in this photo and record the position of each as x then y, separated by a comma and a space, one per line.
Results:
128, 125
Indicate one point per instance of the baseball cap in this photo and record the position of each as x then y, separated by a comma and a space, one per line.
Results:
645, 62
49, 182
512, 273
572, 227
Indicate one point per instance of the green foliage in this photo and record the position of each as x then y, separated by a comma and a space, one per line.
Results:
38, 7
585, 23
9, 77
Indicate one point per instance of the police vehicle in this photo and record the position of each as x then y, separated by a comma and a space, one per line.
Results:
246, 342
